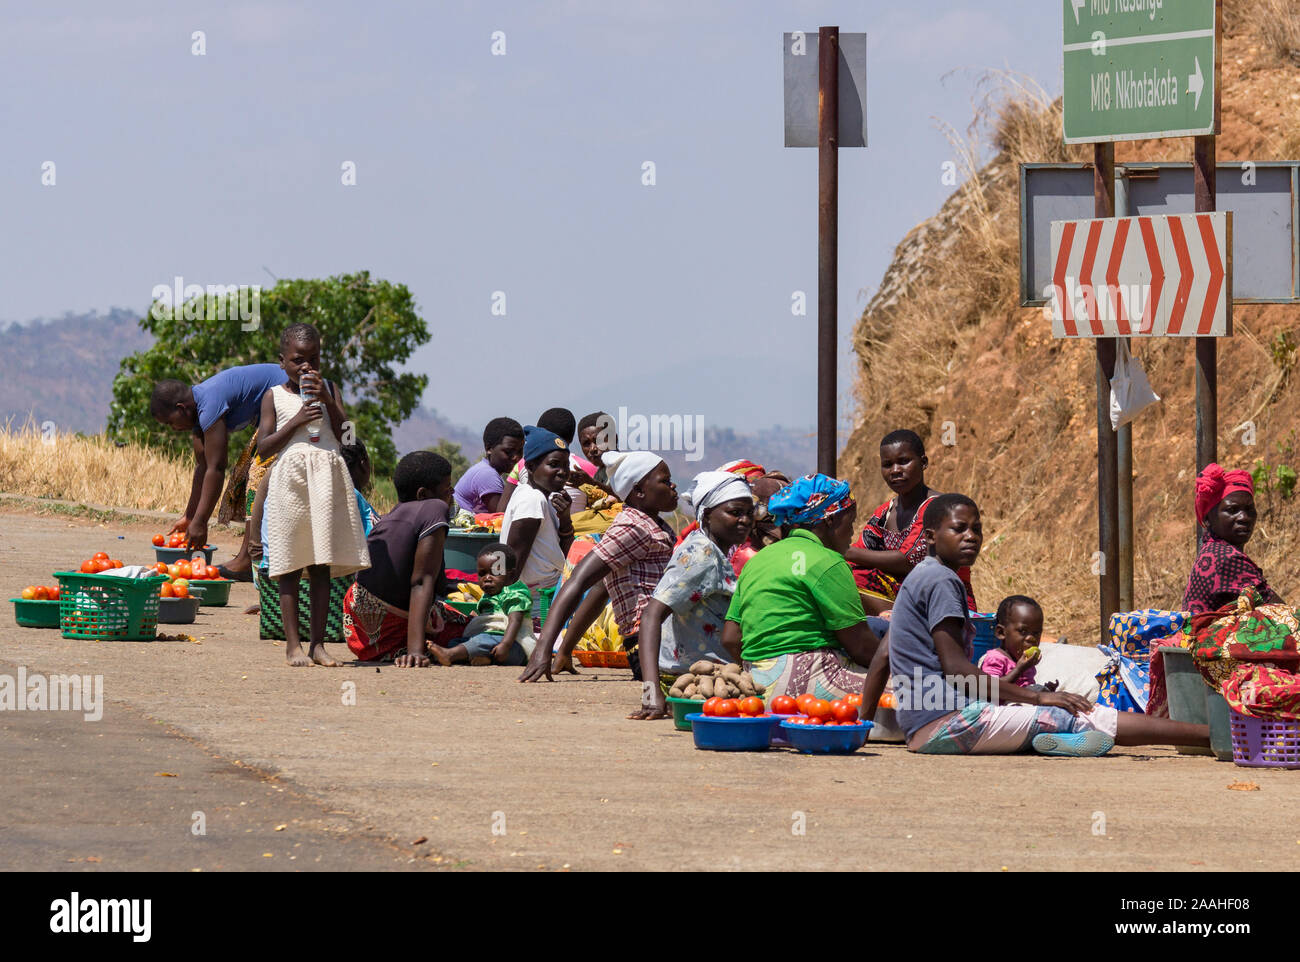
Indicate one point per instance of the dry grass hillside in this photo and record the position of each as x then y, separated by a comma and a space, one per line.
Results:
944, 339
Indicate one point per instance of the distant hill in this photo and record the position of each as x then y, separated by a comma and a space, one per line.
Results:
62, 370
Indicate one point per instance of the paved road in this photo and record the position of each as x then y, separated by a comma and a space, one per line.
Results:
126, 793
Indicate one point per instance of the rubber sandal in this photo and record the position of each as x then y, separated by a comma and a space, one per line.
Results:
1074, 745
235, 575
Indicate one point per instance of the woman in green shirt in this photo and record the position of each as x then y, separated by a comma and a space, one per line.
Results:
796, 619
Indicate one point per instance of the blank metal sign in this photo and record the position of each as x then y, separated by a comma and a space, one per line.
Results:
1264, 198
800, 49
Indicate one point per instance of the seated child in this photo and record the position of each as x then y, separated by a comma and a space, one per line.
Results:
947, 706
479, 489
496, 635
1019, 628
536, 524
391, 609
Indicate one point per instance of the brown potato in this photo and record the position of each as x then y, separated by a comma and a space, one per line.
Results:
703, 668
747, 687
706, 686
731, 669
684, 680
691, 692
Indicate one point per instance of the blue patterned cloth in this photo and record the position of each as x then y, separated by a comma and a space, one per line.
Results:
1126, 680
809, 500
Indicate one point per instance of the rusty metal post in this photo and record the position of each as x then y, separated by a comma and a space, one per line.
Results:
1107, 445
1207, 348
828, 192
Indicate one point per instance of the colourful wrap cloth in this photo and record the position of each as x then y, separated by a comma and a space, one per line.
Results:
1248, 651
1126, 681
811, 499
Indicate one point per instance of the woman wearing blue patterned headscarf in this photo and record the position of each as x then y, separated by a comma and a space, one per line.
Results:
796, 619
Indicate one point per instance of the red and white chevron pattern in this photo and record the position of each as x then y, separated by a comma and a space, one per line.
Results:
1165, 276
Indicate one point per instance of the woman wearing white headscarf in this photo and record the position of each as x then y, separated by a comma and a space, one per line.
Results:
682, 621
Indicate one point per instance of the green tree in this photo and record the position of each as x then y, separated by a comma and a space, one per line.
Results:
451, 451
367, 327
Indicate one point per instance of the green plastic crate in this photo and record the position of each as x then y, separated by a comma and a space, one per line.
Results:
30, 613
105, 608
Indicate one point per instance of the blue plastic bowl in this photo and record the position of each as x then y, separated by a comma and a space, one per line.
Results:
730, 734
823, 740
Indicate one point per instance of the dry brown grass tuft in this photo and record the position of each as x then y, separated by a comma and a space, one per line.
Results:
1276, 23
91, 470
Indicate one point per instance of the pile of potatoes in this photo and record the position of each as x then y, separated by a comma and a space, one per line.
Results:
708, 680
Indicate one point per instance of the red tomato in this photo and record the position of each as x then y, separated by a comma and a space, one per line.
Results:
819, 708
814, 721
751, 706
784, 705
102, 565
99, 556
854, 700
29, 593
41, 593
182, 589
116, 562
711, 706
159, 540
88, 567
174, 571
727, 708
54, 594
842, 711
184, 568
804, 700
166, 590
161, 567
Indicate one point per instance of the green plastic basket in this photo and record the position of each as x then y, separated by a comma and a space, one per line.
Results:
105, 608
681, 708
211, 592
30, 613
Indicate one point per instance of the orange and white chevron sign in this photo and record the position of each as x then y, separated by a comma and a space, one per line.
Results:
1163, 276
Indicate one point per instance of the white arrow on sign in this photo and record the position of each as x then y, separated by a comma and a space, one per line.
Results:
1078, 5
1167, 276
1196, 83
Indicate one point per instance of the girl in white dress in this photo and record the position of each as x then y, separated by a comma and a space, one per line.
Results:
312, 519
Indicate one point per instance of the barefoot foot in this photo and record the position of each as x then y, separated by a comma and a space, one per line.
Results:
296, 658
321, 657
441, 655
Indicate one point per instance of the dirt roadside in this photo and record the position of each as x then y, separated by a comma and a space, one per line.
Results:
497, 775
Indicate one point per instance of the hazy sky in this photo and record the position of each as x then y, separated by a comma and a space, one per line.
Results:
477, 173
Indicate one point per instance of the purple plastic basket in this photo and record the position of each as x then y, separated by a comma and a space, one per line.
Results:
1265, 742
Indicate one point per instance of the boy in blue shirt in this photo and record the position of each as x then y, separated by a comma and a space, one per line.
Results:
947, 706
211, 410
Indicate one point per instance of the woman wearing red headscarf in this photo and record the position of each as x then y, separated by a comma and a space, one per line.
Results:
1225, 508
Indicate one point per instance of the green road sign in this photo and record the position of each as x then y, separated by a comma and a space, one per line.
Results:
1139, 69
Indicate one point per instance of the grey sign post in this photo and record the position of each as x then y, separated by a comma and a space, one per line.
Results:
826, 108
